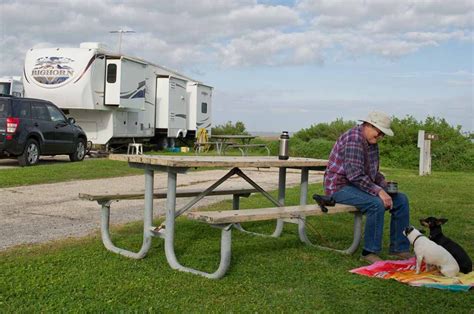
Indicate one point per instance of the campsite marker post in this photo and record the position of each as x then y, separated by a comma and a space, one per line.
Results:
424, 144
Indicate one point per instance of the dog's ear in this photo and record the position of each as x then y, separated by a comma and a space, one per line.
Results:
442, 221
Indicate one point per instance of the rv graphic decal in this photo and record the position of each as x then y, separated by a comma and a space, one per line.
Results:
51, 71
200, 123
87, 67
137, 93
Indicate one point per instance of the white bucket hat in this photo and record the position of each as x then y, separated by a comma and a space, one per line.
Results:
381, 121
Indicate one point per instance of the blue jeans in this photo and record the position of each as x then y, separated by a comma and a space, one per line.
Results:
373, 208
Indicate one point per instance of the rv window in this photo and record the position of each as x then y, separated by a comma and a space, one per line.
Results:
5, 88
111, 73
204, 107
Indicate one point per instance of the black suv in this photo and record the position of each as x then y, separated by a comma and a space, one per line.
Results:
33, 127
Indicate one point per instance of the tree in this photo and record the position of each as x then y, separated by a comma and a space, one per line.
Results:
228, 128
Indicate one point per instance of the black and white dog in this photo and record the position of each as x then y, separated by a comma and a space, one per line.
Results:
431, 253
437, 236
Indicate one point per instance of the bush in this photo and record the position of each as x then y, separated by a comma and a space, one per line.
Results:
452, 151
230, 129
326, 131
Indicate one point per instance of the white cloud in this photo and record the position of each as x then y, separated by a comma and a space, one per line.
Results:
236, 32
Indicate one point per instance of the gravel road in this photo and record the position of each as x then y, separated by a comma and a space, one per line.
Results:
45, 212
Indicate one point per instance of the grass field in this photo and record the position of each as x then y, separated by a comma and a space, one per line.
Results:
65, 171
266, 274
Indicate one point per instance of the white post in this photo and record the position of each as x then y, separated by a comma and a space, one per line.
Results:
425, 153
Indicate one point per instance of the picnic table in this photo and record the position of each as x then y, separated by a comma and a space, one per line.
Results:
240, 141
225, 220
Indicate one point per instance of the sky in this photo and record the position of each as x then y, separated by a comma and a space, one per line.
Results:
278, 65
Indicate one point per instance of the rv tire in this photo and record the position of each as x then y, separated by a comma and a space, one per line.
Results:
162, 143
171, 142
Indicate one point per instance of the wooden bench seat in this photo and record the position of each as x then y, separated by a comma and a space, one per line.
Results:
260, 214
226, 220
204, 143
162, 195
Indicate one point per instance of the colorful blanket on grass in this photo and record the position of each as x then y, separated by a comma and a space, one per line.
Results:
404, 271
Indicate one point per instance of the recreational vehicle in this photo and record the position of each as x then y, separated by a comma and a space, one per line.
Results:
115, 98
11, 85
199, 107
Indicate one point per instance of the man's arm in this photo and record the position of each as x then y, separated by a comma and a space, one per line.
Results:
380, 180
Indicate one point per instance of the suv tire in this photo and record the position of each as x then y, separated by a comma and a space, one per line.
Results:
79, 152
31, 153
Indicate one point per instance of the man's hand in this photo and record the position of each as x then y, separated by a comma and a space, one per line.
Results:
386, 199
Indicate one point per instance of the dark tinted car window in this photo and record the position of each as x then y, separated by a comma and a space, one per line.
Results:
56, 115
20, 109
39, 111
4, 108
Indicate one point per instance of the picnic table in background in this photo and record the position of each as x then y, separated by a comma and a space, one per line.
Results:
242, 142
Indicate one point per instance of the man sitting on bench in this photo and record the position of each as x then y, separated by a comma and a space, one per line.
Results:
352, 177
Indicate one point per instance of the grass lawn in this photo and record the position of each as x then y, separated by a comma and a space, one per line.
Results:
65, 171
266, 274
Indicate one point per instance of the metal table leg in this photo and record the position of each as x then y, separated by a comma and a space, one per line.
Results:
147, 223
281, 200
302, 221
226, 237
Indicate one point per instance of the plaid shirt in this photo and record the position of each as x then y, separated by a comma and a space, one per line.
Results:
353, 162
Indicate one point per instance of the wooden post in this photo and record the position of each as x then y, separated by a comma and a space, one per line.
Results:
424, 144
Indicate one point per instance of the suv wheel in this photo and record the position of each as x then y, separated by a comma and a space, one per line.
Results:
80, 151
30, 155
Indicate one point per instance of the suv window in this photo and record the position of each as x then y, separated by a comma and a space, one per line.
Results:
20, 109
56, 115
39, 111
4, 105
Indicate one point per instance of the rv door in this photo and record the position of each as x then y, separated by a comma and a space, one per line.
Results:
112, 82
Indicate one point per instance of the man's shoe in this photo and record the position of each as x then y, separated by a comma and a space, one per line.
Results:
402, 255
371, 258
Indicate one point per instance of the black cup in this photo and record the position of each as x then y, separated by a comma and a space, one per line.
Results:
392, 187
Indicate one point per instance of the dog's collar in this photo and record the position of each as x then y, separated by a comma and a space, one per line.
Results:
419, 236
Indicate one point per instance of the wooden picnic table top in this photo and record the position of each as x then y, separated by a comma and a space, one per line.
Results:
221, 161
233, 136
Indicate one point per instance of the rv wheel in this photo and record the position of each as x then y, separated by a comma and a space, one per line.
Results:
162, 143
